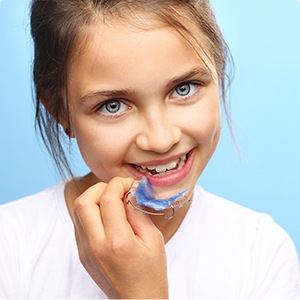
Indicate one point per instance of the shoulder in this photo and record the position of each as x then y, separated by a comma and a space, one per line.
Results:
31, 222
36, 232
28, 203
230, 218
35, 211
256, 240
229, 213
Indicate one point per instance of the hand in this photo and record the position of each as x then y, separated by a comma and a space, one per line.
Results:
120, 247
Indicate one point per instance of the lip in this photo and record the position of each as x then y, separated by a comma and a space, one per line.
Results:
170, 179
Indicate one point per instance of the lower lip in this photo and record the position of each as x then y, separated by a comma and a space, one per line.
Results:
170, 179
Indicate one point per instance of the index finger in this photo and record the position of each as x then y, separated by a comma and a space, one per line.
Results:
87, 216
112, 206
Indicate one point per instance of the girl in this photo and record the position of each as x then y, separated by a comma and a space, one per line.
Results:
138, 85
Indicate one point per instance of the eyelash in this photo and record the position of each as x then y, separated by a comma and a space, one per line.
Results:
110, 115
194, 86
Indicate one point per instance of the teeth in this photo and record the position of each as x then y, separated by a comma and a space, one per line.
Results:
163, 168
179, 162
150, 168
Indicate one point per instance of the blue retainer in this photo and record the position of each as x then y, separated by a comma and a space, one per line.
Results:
144, 195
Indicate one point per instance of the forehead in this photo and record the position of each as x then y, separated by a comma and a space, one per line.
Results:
138, 21
125, 55
109, 42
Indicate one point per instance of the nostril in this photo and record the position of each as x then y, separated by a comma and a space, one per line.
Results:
158, 134
159, 143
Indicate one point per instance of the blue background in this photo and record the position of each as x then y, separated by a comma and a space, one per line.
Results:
264, 174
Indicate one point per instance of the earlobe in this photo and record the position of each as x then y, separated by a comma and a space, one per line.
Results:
61, 119
68, 132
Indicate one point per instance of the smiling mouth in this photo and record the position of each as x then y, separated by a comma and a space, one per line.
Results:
163, 170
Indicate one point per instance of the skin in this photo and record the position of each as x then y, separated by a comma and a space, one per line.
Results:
121, 248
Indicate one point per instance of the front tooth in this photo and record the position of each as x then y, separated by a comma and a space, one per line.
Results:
165, 167
171, 165
151, 168
160, 169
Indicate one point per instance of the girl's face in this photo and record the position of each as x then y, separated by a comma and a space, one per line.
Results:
144, 104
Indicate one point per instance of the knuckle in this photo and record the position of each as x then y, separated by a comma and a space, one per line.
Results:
119, 247
80, 204
115, 179
121, 181
117, 182
105, 198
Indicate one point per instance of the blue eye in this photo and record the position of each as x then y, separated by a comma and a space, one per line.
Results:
113, 107
185, 89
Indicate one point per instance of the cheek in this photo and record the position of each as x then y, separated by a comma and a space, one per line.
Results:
210, 120
101, 144
100, 154
203, 121
210, 126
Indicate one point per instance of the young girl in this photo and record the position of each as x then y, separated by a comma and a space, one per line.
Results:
138, 84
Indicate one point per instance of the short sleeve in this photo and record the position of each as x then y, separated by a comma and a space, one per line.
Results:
12, 259
275, 273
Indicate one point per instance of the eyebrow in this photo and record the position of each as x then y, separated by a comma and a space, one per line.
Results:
106, 94
202, 73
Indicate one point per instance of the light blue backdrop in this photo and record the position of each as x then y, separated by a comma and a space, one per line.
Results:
264, 37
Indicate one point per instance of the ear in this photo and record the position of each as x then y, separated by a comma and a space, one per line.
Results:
62, 119
69, 132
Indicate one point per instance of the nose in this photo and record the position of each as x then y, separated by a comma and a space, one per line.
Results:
158, 132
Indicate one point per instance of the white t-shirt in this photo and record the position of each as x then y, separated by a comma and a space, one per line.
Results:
220, 251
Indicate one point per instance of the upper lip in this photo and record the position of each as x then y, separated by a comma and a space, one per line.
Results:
161, 161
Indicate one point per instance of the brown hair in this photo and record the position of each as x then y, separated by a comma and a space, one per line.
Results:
57, 27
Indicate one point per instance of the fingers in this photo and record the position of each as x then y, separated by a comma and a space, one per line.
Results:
99, 213
100, 209
118, 244
87, 217
112, 207
119, 222
141, 223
